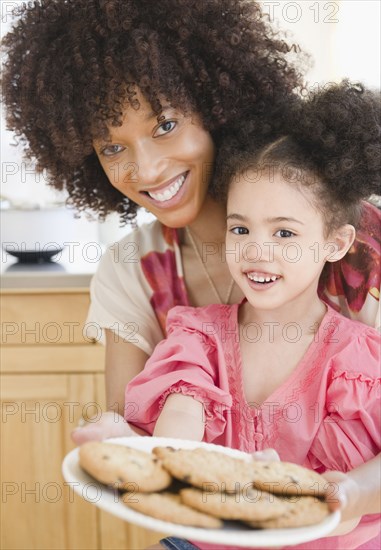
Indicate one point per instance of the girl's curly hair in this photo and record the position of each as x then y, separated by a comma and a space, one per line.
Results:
330, 144
71, 66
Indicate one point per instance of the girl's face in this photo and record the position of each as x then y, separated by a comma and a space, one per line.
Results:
275, 243
163, 166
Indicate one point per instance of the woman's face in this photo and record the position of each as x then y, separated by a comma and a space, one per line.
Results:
163, 166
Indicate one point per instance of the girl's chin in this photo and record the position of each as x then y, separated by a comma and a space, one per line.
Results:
264, 306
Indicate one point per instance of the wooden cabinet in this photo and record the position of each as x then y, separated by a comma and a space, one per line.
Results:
51, 375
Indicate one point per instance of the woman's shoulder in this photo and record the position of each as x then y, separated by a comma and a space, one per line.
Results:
145, 238
128, 251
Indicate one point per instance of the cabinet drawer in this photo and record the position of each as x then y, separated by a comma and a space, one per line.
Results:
45, 317
58, 359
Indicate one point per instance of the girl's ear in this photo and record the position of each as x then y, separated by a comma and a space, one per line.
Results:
342, 240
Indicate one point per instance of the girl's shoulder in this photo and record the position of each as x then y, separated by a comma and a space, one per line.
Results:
348, 329
205, 319
355, 347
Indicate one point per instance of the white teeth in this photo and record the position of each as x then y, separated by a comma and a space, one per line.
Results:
260, 279
170, 192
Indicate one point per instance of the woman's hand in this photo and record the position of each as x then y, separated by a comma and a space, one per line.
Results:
343, 494
110, 424
356, 493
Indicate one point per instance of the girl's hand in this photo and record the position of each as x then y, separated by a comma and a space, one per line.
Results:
110, 424
267, 455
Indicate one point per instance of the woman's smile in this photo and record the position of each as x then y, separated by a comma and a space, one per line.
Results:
169, 193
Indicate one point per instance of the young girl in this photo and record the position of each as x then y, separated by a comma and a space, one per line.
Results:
284, 369
125, 104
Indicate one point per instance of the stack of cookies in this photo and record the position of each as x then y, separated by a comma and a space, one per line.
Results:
213, 488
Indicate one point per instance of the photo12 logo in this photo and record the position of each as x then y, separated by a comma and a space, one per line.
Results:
294, 12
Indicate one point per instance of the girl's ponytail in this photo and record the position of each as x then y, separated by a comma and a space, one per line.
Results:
338, 129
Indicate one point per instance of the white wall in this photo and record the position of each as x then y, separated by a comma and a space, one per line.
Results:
343, 36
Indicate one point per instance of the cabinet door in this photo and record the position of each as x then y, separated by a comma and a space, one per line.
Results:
39, 511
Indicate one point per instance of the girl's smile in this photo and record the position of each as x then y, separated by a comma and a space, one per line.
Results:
262, 281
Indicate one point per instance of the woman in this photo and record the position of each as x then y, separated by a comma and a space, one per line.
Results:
142, 95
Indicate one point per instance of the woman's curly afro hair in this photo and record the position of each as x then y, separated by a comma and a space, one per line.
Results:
330, 144
71, 66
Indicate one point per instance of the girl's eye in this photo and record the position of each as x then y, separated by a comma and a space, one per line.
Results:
111, 150
284, 234
239, 230
164, 128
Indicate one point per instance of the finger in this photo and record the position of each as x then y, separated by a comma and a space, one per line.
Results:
89, 432
268, 455
337, 485
81, 422
82, 435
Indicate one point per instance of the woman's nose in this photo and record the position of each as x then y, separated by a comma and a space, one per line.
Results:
148, 164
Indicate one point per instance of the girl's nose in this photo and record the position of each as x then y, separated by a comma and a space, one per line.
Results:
258, 249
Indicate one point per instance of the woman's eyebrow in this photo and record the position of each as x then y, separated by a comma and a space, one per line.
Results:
152, 114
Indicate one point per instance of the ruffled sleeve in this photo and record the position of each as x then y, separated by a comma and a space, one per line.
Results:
349, 435
186, 362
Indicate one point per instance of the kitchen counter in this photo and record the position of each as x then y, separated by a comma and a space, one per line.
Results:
71, 268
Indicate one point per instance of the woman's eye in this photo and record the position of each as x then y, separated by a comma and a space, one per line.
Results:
239, 230
164, 128
284, 234
111, 150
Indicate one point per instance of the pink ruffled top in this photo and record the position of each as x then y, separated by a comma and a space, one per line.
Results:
326, 416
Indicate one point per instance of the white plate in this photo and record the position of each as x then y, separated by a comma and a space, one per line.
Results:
231, 534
